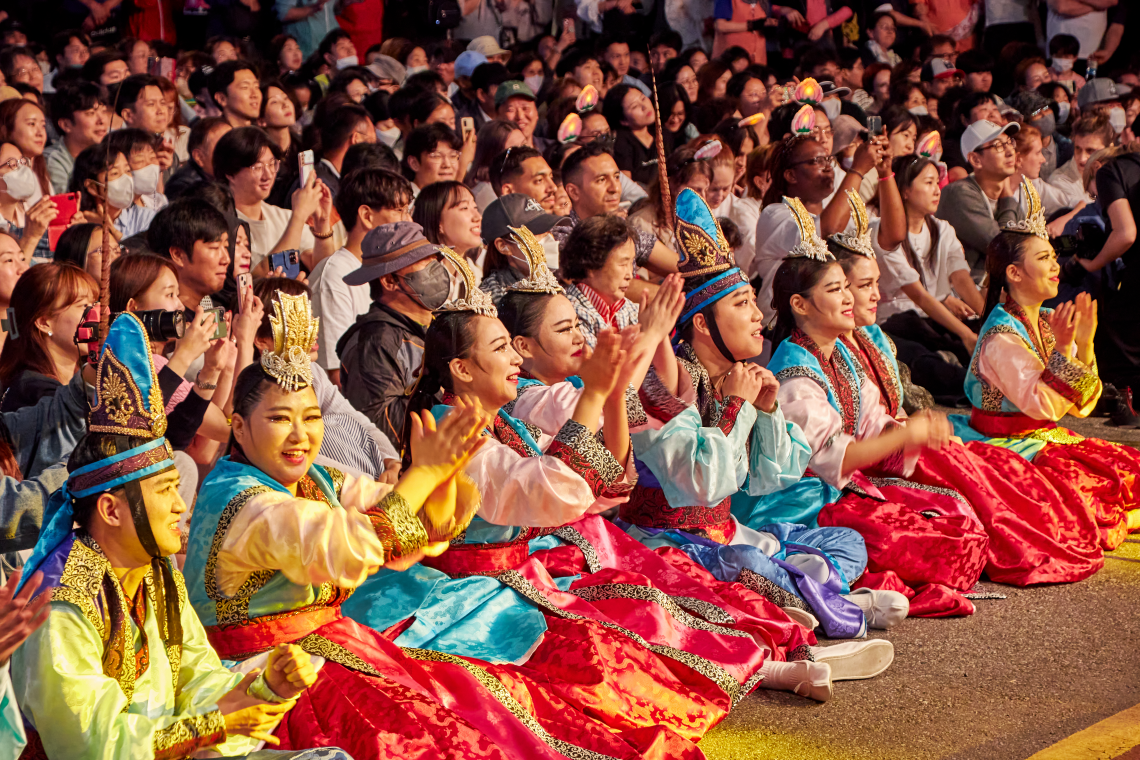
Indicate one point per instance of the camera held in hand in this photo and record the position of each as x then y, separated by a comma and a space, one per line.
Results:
162, 325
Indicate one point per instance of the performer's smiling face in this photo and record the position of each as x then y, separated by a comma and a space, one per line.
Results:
863, 281
827, 310
740, 323
282, 434
557, 348
490, 370
1036, 276
164, 506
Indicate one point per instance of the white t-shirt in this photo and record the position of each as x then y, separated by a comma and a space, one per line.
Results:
1089, 29
1007, 12
265, 233
744, 212
896, 271
484, 195
776, 235
336, 303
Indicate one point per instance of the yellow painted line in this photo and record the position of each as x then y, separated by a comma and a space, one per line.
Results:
1110, 738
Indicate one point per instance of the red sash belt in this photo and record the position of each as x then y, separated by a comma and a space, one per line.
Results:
234, 642
648, 508
462, 560
1006, 424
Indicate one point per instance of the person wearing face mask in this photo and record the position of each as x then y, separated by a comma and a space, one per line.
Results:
1064, 49
146, 171
18, 184
505, 263
382, 352
1055, 148
105, 186
1102, 95
336, 53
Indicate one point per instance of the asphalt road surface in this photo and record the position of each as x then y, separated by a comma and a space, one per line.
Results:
1013, 679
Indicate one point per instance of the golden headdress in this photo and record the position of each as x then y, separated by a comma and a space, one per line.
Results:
1034, 221
860, 242
541, 279
810, 244
474, 299
294, 333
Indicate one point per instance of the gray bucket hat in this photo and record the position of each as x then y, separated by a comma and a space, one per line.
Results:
389, 248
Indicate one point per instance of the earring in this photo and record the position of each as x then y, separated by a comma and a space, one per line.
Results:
49, 333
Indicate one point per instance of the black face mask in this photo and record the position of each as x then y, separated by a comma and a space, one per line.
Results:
429, 286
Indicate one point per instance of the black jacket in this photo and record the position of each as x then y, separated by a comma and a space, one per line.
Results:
188, 176
380, 359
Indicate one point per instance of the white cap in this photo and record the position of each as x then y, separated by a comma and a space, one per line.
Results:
983, 132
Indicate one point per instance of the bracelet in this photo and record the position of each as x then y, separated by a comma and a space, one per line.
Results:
203, 385
259, 688
889, 176
326, 236
855, 171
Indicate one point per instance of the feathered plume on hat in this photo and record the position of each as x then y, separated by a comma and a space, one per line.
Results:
1034, 221
810, 244
860, 242
541, 279
703, 250
474, 299
294, 333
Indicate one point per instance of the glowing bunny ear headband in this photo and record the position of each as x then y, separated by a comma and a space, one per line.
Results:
571, 128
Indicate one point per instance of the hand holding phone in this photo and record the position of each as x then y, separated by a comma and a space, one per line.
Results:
289, 262
875, 125
67, 205
466, 126
305, 165
244, 282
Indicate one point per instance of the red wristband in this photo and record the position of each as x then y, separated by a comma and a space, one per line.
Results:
884, 179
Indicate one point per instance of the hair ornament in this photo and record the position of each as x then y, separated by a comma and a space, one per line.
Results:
751, 121
1034, 221
571, 128
809, 92
706, 152
810, 244
294, 334
860, 242
473, 299
541, 279
803, 123
930, 146
587, 99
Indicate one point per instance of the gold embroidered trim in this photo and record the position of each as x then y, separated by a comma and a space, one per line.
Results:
173, 651
408, 531
571, 535
337, 478
233, 609
707, 610
657, 596
182, 738
578, 437
1056, 435
334, 652
991, 395
708, 669
503, 696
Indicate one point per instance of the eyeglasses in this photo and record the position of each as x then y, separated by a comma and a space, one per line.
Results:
821, 132
267, 167
451, 155
1005, 146
15, 163
820, 161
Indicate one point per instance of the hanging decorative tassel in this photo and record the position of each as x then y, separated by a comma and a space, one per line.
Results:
662, 172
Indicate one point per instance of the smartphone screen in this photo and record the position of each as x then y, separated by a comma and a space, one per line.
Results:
244, 280
467, 125
305, 165
67, 204
875, 125
219, 322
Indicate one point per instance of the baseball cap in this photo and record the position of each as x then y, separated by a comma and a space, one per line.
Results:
387, 67
516, 210
467, 62
939, 68
1100, 90
983, 132
510, 89
1027, 102
844, 131
389, 248
488, 46
829, 89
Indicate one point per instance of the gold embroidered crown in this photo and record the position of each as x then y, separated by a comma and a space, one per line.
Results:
810, 244
860, 242
473, 299
128, 399
294, 333
541, 279
1034, 221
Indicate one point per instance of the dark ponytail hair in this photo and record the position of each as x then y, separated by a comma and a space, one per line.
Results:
1005, 249
449, 337
907, 169
522, 313
797, 275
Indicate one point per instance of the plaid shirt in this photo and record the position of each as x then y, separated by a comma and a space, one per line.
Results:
596, 315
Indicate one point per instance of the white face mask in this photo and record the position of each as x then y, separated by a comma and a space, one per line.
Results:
534, 83
1118, 119
550, 248
146, 179
388, 136
919, 111
846, 161
411, 69
1063, 110
344, 63
21, 183
121, 192
832, 109
1061, 65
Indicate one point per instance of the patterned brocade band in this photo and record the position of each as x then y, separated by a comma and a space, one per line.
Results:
648, 508
185, 737
134, 464
582, 452
398, 527
711, 292
1071, 379
728, 413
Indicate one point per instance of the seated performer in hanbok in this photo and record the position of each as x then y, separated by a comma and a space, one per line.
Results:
1034, 536
1032, 366
278, 543
566, 601
928, 537
122, 667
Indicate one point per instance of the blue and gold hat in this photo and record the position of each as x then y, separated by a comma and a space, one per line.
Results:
703, 250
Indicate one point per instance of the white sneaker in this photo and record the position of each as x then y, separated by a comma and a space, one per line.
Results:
814, 680
883, 609
803, 617
856, 660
